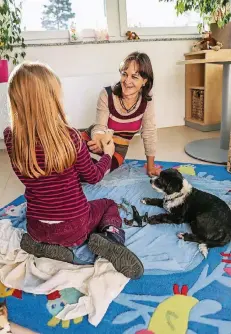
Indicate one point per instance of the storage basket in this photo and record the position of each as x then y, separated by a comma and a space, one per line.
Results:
198, 104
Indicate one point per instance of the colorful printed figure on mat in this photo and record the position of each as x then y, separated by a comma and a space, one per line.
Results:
4, 323
14, 211
7, 292
17, 214
57, 301
227, 259
172, 314
186, 169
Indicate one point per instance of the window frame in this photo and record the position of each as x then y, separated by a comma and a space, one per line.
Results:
116, 14
152, 31
62, 36
52, 36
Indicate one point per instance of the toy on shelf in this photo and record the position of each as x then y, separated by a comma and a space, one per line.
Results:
72, 33
101, 35
131, 35
207, 43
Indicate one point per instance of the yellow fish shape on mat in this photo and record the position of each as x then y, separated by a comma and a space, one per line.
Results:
7, 292
186, 169
172, 315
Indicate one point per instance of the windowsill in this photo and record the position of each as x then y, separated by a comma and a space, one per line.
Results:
91, 41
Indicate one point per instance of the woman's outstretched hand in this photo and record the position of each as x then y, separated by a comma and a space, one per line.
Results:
153, 171
108, 147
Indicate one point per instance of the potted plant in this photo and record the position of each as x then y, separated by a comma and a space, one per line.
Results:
214, 13
11, 41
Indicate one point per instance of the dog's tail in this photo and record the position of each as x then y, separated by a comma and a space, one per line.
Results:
203, 248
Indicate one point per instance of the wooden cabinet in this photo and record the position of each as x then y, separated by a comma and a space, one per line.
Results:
203, 89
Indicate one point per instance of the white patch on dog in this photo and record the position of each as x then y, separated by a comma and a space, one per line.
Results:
157, 189
143, 201
176, 199
204, 250
154, 187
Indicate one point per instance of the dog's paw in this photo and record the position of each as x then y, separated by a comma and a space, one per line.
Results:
204, 250
144, 200
180, 236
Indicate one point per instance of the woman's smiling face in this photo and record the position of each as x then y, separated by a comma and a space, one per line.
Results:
131, 81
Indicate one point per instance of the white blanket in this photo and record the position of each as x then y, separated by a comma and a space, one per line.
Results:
100, 283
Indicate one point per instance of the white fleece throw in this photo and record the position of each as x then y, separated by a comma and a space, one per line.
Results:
100, 283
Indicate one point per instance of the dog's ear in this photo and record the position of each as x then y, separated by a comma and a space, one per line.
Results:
174, 186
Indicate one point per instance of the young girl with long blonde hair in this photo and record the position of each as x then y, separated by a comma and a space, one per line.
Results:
50, 159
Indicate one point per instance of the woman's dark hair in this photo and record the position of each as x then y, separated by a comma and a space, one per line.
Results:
145, 70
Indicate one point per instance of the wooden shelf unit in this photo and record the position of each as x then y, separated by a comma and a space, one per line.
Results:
207, 77
198, 87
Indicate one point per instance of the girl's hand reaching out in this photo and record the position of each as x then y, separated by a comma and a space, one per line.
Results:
94, 146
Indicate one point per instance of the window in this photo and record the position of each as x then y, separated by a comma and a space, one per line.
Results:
152, 17
49, 20
57, 15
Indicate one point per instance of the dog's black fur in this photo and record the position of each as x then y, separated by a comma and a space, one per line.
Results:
209, 217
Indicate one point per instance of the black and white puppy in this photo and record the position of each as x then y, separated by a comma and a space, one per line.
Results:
209, 217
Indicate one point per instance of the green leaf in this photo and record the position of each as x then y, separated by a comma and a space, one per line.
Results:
208, 10
200, 27
10, 29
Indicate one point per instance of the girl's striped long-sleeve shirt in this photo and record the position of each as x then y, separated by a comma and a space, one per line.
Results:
60, 197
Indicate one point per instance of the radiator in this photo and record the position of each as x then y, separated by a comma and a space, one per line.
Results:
80, 98
4, 114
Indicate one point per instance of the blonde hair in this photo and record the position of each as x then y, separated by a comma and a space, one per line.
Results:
38, 118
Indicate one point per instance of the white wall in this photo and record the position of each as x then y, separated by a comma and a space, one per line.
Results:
85, 69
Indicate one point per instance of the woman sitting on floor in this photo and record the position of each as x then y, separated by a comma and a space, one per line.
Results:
126, 108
